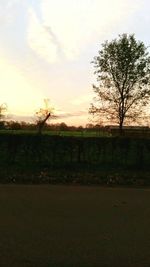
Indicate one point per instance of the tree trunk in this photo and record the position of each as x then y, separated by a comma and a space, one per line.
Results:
41, 124
121, 128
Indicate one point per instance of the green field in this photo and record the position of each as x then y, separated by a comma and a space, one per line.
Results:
74, 226
83, 133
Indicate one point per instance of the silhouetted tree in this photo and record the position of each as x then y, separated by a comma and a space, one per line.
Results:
43, 115
3, 109
15, 125
63, 126
123, 78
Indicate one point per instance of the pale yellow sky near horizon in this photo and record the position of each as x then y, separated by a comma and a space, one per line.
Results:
46, 49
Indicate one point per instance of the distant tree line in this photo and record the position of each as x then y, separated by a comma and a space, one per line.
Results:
16, 125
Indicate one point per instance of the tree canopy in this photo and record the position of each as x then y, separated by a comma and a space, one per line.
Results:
122, 90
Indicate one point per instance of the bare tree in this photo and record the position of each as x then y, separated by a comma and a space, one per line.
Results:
43, 115
123, 80
3, 109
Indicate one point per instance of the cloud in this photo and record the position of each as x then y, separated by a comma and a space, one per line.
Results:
40, 39
15, 117
78, 23
31, 119
71, 114
65, 28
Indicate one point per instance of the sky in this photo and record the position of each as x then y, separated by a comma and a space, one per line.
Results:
46, 49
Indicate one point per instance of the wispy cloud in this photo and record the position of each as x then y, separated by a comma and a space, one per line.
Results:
65, 28
32, 118
71, 114
78, 23
15, 117
40, 39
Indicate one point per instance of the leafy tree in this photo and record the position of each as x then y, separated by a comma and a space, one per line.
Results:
43, 115
15, 125
63, 126
123, 78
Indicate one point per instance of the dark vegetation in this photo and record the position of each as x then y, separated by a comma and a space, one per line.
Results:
74, 226
30, 158
16, 125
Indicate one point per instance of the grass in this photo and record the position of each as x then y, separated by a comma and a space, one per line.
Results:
74, 226
83, 133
